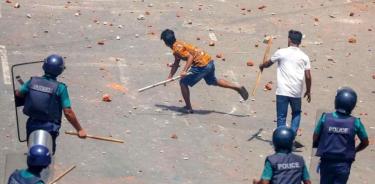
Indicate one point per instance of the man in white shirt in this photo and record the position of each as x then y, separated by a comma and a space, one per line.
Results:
293, 67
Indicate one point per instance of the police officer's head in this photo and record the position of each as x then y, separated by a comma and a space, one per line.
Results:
53, 65
282, 139
295, 37
345, 100
168, 37
38, 157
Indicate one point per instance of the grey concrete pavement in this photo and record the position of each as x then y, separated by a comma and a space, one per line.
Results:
212, 144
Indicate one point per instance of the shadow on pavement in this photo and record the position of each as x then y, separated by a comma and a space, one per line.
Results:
200, 112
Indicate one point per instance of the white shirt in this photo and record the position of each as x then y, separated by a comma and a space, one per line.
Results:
291, 66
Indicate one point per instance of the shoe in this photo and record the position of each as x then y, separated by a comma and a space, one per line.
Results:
243, 92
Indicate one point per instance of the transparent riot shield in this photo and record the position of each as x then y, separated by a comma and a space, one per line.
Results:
20, 74
314, 162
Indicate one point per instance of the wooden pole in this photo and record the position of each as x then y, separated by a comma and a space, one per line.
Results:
62, 175
97, 137
161, 83
265, 58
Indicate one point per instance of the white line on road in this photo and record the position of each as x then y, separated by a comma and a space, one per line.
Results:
212, 36
5, 65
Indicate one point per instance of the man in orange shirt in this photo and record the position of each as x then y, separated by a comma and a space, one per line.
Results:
201, 67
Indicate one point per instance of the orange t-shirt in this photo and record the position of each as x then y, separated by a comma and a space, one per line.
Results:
182, 50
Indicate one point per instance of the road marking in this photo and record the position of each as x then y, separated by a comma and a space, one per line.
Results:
5, 65
212, 36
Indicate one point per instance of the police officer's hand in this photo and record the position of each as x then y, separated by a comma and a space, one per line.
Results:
308, 95
82, 133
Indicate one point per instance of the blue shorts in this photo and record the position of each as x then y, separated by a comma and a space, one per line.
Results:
198, 73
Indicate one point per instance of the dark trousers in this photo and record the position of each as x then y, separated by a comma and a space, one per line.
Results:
333, 172
51, 127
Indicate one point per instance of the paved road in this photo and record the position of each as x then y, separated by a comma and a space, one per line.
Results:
212, 144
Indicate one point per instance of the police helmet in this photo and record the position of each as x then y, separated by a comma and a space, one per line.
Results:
345, 100
53, 65
38, 156
283, 138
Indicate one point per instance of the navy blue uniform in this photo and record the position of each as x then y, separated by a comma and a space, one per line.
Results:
336, 148
287, 168
44, 105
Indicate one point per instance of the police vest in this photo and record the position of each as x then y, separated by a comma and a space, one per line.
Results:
16, 178
287, 168
42, 102
337, 139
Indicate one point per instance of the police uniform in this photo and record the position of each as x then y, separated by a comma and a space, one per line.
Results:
45, 98
336, 146
24, 177
285, 168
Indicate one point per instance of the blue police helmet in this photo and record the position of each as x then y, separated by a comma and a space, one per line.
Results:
38, 156
345, 100
54, 65
283, 138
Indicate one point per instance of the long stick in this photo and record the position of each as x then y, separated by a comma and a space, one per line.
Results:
161, 83
97, 137
265, 57
62, 175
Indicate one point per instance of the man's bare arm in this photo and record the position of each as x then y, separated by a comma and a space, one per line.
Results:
71, 117
364, 143
308, 85
188, 64
175, 66
265, 65
307, 182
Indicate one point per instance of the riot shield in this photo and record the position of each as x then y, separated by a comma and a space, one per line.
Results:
22, 72
314, 161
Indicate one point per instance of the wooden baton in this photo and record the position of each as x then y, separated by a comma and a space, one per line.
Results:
62, 175
161, 83
96, 137
265, 57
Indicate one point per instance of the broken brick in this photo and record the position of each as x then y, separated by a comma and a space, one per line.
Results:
106, 98
250, 63
174, 136
268, 86
262, 7
352, 40
100, 42
219, 55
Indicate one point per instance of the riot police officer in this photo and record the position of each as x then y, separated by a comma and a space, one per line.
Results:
284, 167
46, 99
38, 158
334, 136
